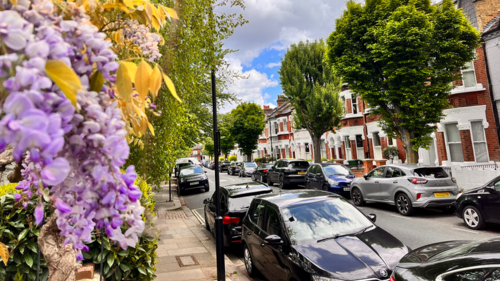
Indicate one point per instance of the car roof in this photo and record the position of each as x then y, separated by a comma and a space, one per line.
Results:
327, 164
182, 160
409, 166
292, 197
293, 160
246, 189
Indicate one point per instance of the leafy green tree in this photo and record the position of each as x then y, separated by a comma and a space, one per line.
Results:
310, 86
226, 139
248, 123
402, 57
208, 147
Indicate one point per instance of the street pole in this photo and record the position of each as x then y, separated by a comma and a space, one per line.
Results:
271, 137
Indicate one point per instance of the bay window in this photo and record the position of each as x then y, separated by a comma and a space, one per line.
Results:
479, 141
469, 75
454, 142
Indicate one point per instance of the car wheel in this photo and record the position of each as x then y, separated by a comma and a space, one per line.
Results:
253, 177
403, 204
325, 188
269, 182
239, 174
207, 188
357, 197
247, 257
282, 183
307, 185
207, 227
179, 191
473, 218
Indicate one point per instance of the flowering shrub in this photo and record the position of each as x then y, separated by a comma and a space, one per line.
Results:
58, 78
8, 188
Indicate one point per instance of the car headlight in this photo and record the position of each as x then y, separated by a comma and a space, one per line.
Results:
321, 278
182, 180
333, 182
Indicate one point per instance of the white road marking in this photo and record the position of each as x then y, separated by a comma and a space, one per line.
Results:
401, 217
466, 230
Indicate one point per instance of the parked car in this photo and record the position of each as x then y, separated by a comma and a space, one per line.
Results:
192, 177
335, 178
247, 169
235, 200
179, 165
407, 187
452, 260
223, 165
234, 168
211, 165
260, 174
287, 172
480, 205
316, 235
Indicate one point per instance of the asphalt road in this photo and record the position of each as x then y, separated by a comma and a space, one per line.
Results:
425, 227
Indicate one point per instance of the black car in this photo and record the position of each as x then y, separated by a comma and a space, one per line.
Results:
335, 178
247, 169
260, 174
480, 205
235, 200
452, 260
224, 165
287, 172
316, 235
234, 168
180, 166
192, 177
211, 165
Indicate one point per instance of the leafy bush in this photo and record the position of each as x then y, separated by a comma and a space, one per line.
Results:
390, 151
330, 160
259, 160
137, 263
221, 158
233, 158
309, 160
8, 189
19, 233
323, 159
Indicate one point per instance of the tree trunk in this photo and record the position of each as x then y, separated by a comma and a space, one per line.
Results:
60, 259
411, 155
316, 148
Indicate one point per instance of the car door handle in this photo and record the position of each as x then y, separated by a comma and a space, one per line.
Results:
262, 244
395, 182
249, 233
376, 182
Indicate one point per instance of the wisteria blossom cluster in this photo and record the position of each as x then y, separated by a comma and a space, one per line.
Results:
143, 38
75, 154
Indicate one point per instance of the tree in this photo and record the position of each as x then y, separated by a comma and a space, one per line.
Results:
310, 86
248, 123
226, 139
402, 57
208, 147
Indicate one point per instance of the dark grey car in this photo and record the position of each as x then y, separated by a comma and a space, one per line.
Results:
407, 187
247, 169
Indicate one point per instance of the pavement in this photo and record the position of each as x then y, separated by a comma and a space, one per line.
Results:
186, 250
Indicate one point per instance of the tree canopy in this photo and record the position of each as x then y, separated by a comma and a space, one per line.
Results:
310, 86
402, 56
248, 123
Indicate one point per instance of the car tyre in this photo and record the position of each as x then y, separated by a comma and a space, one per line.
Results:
404, 205
325, 187
357, 197
207, 188
253, 177
179, 191
247, 258
307, 185
473, 218
207, 227
269, 182
282, 183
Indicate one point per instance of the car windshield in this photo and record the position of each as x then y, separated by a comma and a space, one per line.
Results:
307, 223
250, 165
433, 173
301, 164
244, 202
191, 171
265, 166
334, 170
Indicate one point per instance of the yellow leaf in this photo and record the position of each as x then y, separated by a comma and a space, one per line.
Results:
155, 23
123, 82
155, 82
142, 80
161, 15
129, 4
142, 17
172, 13
151, 128
14, 3
149, 10
144, 126
124, 8
171, 87
131, 68
96, 81
4, 253
65, 78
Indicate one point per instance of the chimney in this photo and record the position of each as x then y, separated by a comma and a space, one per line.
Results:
280, 100
267, 109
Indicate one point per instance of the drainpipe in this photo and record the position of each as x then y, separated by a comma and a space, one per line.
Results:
492, 97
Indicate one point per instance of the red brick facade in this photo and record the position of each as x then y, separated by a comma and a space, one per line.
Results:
467, 149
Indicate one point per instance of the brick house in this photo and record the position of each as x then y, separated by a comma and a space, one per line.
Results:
196, 152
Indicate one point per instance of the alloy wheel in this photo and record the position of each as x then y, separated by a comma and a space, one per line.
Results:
356, 197
402, 204
248, 261
471, 217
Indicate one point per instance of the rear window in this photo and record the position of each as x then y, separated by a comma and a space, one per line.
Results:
302, 164
244, 202
250, 165
432, 173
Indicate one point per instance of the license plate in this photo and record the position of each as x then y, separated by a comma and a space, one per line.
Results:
347, 188
193, 183
442, 194
302, 173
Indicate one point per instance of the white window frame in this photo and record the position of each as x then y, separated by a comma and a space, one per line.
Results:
473, 141
286, 152
354, 104
347, 142
321, 143
473, 69
276, 128
285, 127
448, 151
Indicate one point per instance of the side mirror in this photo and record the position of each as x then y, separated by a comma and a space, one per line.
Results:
372, 217
273, 240
206, 201
366, 176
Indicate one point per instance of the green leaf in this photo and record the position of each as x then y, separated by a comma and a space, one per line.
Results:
141, 249
32, 275
87, 255
124, 267
45, 275
23, 234
106, 268
107, 245
142, 270
65, 77
96, 81
111, 259
28, 260
122, 253
32, 246
118, 274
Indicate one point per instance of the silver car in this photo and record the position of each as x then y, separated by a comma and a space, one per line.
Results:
407, 187
247, 169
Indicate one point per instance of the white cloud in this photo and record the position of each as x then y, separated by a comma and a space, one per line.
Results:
266, 96
250, 89
273, 64
271, 105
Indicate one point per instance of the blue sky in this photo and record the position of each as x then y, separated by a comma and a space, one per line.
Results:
273, 26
